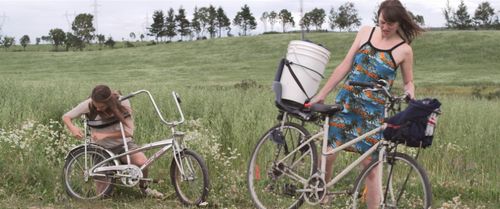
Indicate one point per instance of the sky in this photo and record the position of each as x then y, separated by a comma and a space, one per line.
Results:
118, 18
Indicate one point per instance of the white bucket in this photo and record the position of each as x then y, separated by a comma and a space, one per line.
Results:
307, 54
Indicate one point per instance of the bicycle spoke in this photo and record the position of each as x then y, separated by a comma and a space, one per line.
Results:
275, 181
404, 183
77, 181
192, 186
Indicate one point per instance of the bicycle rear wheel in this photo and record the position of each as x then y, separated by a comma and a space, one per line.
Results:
192, 187
269, 184
404, 183
76, 179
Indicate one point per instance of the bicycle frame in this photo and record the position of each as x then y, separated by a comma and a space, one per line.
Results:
165, 144
324, 153
323, 134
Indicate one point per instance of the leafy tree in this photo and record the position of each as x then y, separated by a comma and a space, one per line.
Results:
57, 36
83, 28
273, 17
158, 26
203, 17
47, 39
306, 21
195, 23
24, 41
110, 42
286, 18
212, 21
448, 15
100, 40
347, 17
142, 37
182, 22
332, 18
484, 15
38, 39
245, 20
317, 17
73, 41
221, 21
462, 17
132, 35
263, 19
7, 42
170, 24
496, 23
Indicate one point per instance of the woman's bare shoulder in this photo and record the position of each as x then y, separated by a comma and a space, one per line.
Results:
365, 29
363, 34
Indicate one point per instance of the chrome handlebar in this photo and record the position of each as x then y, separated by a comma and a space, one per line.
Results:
158, 112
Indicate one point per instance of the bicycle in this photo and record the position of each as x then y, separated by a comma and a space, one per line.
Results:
89, 165
283, 170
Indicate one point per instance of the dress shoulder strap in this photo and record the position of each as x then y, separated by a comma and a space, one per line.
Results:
397, 45
371, 34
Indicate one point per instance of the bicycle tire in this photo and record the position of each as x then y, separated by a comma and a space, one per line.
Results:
74, 172
267, 186
190, 191
404, 183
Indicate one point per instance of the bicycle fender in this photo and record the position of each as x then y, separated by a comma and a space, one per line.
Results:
82, 146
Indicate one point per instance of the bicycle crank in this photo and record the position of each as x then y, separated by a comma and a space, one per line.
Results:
315, 190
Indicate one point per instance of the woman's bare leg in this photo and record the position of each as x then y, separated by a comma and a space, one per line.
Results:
373, 186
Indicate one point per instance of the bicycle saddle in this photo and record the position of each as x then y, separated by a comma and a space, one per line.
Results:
326, 109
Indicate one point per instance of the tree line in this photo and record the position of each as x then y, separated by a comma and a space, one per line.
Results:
484, 17
212, 22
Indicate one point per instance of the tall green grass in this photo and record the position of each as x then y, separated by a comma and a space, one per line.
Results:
41, 86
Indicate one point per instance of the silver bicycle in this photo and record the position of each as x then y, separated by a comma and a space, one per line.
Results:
283, 171
91, 171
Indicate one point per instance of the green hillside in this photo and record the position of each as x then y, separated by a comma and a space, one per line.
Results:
441, 58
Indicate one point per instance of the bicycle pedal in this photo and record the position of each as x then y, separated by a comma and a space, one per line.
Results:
155, 181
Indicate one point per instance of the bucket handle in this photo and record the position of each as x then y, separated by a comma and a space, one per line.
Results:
312, 70
287, 63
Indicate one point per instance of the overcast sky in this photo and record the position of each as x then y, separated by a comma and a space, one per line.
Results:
118, 18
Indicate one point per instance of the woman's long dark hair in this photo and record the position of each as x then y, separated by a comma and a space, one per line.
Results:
394, 11
103, 94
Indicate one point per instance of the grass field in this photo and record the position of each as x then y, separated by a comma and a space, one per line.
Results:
225, 86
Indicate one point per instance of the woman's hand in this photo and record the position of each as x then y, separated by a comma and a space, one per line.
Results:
76, 132
96, 136
317, 99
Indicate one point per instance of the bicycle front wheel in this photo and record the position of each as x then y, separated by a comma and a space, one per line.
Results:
76, 174
269, 176
404, 184
191, 184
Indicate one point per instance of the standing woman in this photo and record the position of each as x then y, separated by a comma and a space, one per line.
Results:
376, 53
104, 104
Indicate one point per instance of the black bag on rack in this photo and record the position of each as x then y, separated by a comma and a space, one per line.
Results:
415, 125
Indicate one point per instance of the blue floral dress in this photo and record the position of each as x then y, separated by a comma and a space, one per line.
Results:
363, 111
